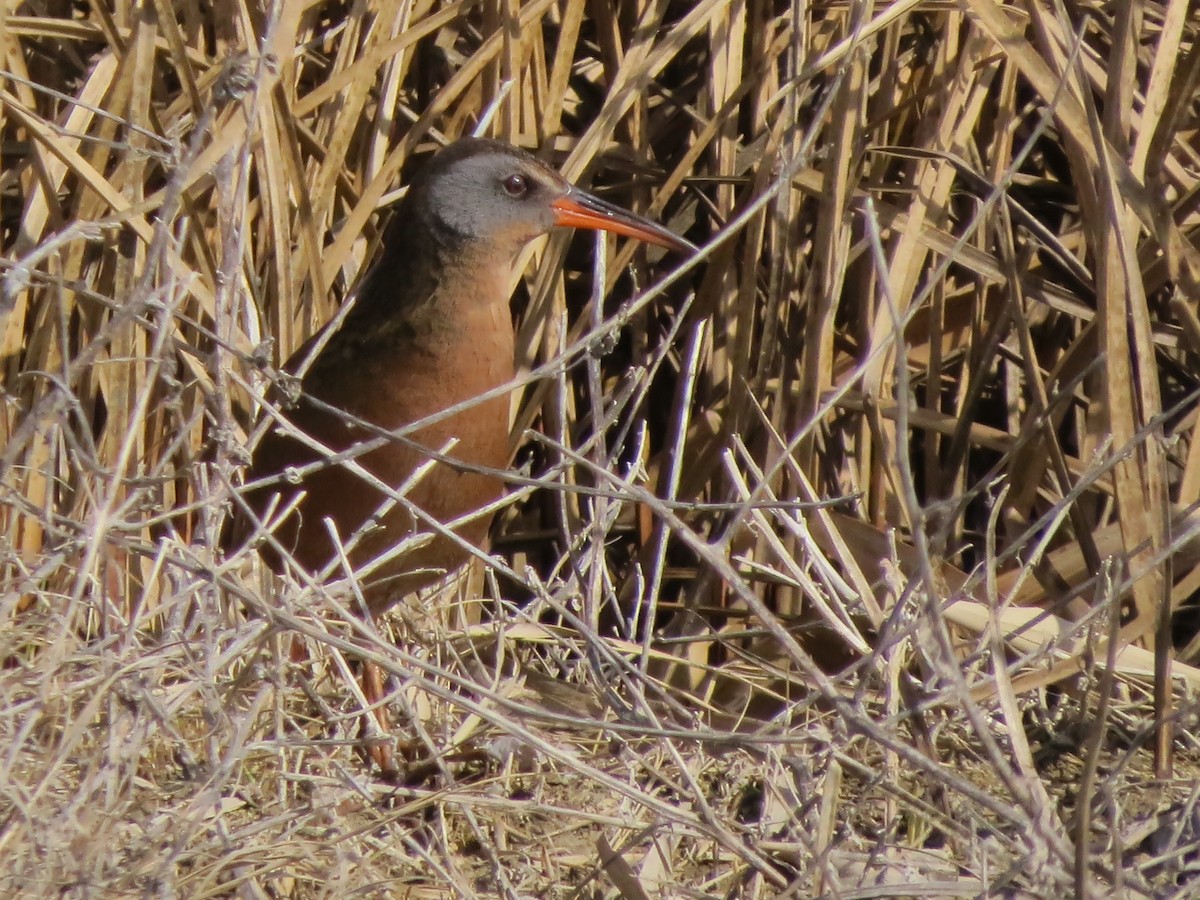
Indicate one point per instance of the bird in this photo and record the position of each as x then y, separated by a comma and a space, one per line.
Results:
429, 330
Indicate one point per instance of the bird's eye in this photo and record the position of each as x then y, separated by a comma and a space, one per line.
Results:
516, 185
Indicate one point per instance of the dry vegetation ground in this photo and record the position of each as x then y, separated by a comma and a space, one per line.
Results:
843, 560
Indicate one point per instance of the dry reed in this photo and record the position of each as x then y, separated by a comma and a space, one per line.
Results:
853, 557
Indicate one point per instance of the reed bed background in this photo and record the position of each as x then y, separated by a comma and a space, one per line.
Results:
854, 556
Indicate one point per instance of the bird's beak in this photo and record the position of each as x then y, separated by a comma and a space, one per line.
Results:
579, 209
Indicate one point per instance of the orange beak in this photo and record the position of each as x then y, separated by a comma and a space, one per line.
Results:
579, 209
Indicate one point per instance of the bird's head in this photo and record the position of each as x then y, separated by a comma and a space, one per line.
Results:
489, 193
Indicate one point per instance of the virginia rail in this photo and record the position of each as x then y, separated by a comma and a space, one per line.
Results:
430, 329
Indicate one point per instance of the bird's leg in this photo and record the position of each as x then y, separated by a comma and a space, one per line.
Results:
380, 751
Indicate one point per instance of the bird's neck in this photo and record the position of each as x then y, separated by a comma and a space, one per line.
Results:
430, 303
421, 294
